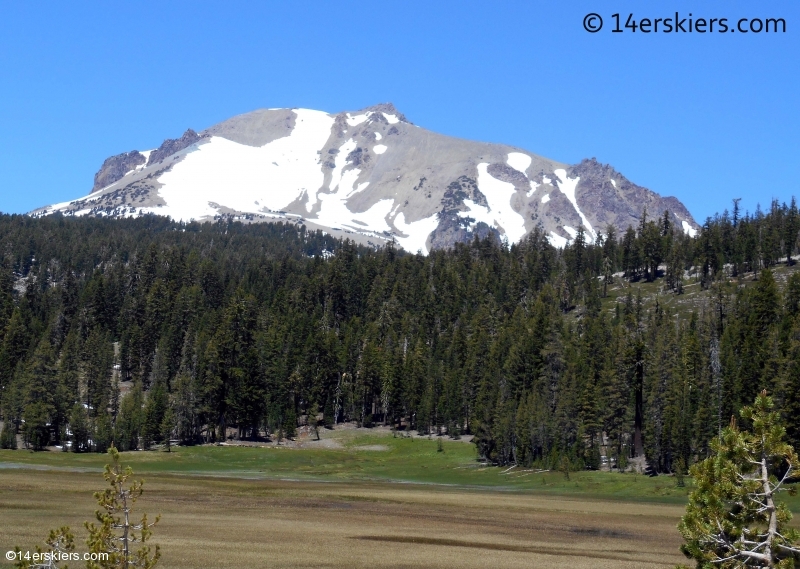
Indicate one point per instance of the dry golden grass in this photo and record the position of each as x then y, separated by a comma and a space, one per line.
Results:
223, 522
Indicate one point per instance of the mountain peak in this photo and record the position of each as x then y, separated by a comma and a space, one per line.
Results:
369, 175
386, 108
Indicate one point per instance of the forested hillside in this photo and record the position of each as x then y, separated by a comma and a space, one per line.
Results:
136, 330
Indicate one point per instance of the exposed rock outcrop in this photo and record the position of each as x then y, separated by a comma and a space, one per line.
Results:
615, 200
114, 168
172, 145
506, 173
371, 175
389, 109
452, 227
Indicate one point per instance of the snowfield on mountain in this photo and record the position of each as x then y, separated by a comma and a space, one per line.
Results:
370, 175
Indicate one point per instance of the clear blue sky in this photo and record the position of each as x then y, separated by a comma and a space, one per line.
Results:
705, 118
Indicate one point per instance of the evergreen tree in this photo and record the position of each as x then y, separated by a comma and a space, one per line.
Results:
79, 426
733, 518
128, 428
153, 415
115, 532
167, 427
8, 436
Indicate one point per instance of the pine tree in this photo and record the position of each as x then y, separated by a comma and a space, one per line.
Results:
8, 436
791, 228
167, 427
103, 433
313, 419
289, 425
36, 432
117, 533
185, 409
79, 426
733, 518
98, 358
154, 410
327, 415
789, 386
60, 542
128, 427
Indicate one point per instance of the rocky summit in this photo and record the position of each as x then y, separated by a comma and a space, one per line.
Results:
370, 175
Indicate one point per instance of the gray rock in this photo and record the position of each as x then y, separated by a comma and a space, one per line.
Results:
621, 205
114, 168
415, 172
172, 145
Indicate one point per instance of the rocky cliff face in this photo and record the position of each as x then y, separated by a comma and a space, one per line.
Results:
172, 146
619, 202
114, 168
454, 228
370, 175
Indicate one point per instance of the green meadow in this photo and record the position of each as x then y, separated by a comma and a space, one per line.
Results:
363, 455
357, 498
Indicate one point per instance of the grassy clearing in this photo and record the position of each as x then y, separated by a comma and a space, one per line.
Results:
406, 505
404, 460
231, 523
693, 297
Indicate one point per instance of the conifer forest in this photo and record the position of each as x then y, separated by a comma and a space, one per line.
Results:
138, 331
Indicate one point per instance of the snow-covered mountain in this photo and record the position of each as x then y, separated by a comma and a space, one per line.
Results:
370, 175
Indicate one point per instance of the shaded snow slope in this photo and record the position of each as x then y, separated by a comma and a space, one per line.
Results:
567, 186
502, 214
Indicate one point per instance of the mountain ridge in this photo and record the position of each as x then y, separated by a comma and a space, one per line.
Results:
371, 175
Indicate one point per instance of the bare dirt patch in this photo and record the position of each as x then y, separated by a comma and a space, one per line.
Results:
371, 448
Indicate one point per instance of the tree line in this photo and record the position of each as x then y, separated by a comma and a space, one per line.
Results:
144, 330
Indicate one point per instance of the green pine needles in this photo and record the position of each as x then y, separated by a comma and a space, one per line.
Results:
117, 532
733, 519
114, 538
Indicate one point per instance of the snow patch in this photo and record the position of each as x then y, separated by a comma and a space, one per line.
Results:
379, 149
392, 119
98, 193
546, 180
613, 183
498, 195
374, 218
519, 161
378, 136
478, 213
571, 230
688, 229
245, 174
356, 120
556, 240
361, 187
347, 184
58, 206
333, 210
339, 163
417, 232
146, 154
567, 186
545, 198
534, 186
